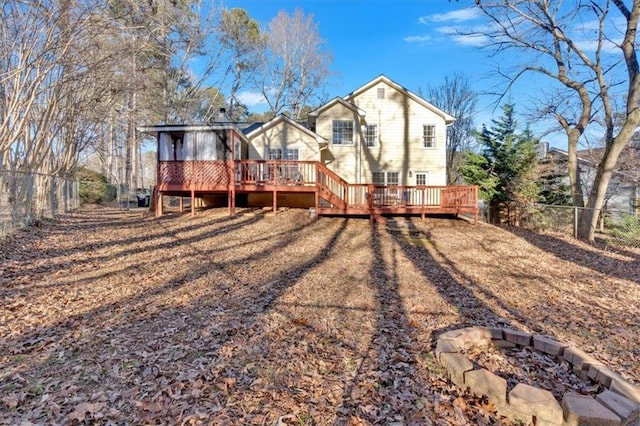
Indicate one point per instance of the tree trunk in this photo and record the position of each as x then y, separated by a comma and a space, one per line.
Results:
575, 184
589, 217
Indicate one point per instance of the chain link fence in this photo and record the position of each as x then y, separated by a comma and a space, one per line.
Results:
615, 227
28, 197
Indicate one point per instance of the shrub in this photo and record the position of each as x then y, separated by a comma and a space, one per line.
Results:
94, 188
628, 231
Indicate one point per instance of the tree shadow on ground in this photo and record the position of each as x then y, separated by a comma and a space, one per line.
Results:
146, 243
592, 258
204, 326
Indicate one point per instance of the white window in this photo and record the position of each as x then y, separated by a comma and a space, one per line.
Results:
380, 92
371, 135
342, 132
385, 178
274, 154
393, 178
378, 178
283, 154
422, 178
429, 136
291, 154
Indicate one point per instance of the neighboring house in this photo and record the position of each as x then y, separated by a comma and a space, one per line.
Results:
623, 194
380, 148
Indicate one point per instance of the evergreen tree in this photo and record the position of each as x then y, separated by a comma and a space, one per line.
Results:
506, 168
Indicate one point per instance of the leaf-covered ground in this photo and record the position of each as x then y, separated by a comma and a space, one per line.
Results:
110, 317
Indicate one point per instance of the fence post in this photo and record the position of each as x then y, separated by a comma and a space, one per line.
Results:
575, 222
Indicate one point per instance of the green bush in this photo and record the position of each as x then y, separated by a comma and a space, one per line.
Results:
628, 231
94, 188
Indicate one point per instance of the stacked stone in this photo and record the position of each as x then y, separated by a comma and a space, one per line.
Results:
618, 404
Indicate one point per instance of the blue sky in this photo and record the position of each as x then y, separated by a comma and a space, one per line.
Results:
410, 41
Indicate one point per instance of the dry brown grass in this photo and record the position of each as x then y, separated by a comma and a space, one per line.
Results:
108, 316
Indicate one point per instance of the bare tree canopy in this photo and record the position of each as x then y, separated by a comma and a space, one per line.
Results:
295, 63
587, 52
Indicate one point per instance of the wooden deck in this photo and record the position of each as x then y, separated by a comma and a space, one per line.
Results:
332, 194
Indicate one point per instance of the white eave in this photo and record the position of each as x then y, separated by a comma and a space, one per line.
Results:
283, 118
334, 101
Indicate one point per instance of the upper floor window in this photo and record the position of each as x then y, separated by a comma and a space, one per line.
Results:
429, 136
380, 92
343, 132
371, 135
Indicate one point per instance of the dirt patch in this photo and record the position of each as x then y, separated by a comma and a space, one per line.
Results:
108, 316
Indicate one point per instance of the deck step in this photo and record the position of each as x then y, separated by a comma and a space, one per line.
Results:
403, 226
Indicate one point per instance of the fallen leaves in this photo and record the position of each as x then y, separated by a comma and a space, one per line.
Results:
254, 319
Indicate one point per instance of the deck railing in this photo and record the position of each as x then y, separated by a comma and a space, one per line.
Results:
275, 172
280, 173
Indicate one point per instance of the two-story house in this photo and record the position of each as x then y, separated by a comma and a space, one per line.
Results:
378, 150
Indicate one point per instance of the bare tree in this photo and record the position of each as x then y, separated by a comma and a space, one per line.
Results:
587, 51
295, 63
456, 98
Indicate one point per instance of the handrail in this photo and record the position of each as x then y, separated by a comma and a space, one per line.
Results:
334, 184
332, 187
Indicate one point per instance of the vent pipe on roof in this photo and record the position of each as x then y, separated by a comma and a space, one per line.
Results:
221, 116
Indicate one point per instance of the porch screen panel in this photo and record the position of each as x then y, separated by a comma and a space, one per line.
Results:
165, 147
179, 147
189, 146
206, 146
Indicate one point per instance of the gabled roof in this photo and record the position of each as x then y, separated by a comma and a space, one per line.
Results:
340, 101
382, 78
255, 131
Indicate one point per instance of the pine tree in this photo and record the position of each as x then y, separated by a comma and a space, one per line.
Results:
506, 168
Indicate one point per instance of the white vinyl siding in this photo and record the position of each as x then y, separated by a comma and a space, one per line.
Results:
284, 136
342, 132
400, 138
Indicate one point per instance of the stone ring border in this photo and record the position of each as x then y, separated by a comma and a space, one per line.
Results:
618, 404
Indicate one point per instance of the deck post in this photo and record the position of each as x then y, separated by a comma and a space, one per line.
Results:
181, 204
275, 202
159, 204
317, 200
232, 192
371, 190
193, 202
424, 199
475, 200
